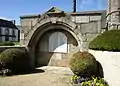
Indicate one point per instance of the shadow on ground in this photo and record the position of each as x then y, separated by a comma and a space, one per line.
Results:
37, 71
32, 72
100, 72
24, 73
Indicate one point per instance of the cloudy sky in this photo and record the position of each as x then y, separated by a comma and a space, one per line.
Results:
12, 9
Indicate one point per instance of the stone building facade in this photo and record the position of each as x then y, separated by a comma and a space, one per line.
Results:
53, 37
8, 31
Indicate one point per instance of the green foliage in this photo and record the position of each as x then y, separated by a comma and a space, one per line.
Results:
95, 82
74, 78
15, 60
109, 40
83, 63
16, 43
79, 81
7, 43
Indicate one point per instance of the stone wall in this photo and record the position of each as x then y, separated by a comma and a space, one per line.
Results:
92, 23
2, 48
110, 62
44, 57
27, 23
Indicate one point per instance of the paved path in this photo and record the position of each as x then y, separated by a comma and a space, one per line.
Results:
53, 76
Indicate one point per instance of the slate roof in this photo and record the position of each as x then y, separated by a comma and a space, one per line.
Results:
6, 23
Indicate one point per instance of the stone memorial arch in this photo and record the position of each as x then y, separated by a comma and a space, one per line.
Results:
53, 37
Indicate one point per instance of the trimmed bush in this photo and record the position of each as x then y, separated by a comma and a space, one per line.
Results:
83, 64
109, 41
15, 60
7, 43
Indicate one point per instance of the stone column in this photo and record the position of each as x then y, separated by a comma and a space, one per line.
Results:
113, 18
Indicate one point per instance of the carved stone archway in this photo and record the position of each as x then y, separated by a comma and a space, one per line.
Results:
47, 23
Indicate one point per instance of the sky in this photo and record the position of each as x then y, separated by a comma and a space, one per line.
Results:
13, 9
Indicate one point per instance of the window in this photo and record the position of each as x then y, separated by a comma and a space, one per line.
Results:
7, 31
0, 38
13, 38
13, 32
6, 38
0, 30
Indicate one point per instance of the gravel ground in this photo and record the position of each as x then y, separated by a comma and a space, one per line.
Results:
52, 76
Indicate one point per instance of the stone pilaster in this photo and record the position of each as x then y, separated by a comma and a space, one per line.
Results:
114, 15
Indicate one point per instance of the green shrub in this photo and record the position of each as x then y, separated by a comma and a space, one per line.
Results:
109, 40
7, 43
83, 64
16, 43
92, 81
95, 82
15, 60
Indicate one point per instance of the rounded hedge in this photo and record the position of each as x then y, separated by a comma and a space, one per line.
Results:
7, 43
109, 41
15, 60
83, 64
